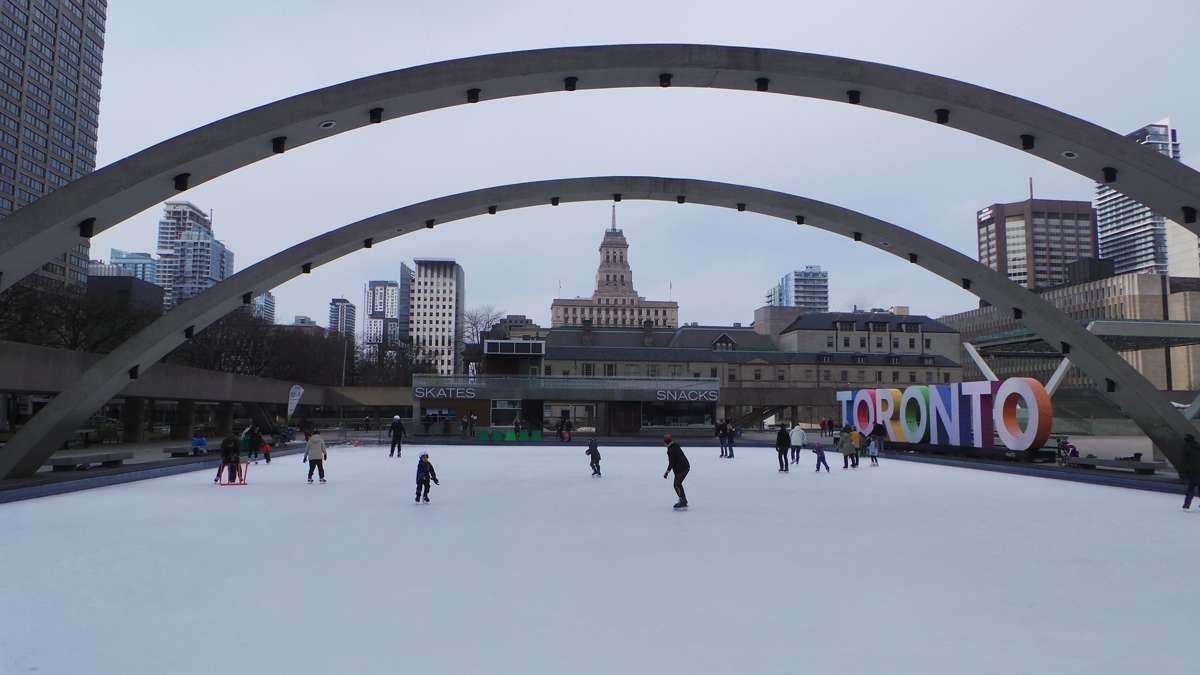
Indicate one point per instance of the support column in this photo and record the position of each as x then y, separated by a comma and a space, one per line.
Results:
223, 420
795, 413
133, 415
151, 409
181, 426
5, 425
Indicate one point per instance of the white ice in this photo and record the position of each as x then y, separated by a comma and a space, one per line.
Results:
525, 564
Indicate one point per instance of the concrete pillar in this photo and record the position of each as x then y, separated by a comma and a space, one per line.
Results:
5, 426
133, 415
223, 420
181, 426
795, 413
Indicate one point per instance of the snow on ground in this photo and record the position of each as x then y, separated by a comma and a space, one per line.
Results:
525, 564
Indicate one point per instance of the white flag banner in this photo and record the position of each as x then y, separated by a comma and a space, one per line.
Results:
294, 398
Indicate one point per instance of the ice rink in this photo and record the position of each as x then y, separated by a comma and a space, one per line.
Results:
525, 564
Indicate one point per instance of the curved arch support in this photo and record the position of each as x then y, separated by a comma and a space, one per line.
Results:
1134, 394
116, 192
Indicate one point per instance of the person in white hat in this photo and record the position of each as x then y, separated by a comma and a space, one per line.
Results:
397, 433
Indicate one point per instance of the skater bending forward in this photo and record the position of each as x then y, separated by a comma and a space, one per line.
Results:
316, 454
677, 462
594, 453
425, 473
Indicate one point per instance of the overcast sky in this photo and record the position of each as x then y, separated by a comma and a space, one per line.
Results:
172, 66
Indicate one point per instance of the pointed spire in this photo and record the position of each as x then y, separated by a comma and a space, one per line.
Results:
614, 217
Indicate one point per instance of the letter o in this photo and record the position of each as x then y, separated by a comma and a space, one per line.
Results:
863, 412
919, 396
1004, 413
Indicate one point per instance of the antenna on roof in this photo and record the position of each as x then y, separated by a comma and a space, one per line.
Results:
614, 217
1031, 188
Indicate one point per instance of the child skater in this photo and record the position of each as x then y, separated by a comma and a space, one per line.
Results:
593, 452
425, 473
873, 451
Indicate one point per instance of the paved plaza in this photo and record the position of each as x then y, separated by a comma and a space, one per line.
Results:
523, 563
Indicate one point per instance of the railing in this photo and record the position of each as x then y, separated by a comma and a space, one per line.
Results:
567, 388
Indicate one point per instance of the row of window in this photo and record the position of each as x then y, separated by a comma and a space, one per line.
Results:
862, 342
758, 374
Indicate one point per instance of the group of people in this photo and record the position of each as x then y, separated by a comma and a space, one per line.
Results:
726, 433
848, 441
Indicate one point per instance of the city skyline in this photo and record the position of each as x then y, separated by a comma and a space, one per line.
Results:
918, 174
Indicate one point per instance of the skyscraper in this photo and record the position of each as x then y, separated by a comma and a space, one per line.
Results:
190, 259
436, 311
1134, 237
381, 317
404, 301
51, 54
807, 288
1033, 241
342, 314
263, 307
614, 302
139, 265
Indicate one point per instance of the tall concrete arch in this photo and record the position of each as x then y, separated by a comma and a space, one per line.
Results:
116, 192
1127, 388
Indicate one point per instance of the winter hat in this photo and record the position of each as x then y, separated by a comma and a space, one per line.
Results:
424, 455
666, 438
396, 417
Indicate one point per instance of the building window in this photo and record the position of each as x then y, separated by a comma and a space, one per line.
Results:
895, 376
846, 342
912, 376
549, 371
757, 374
895, 343
829, 341
825, 375
862, 343
879, 376
610, 370
712, 372
946, 378
878, 343
652, 370
587, 369
927, 343
779, 374
912, 343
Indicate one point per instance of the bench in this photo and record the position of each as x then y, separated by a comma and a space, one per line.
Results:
184, 451
83, 460
1145, 468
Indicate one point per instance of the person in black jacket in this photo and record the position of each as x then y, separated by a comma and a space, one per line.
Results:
677, 462
730, 435
719, 432
594, 452
1189, 469
229, 458
783, 443
425, 473
397, 433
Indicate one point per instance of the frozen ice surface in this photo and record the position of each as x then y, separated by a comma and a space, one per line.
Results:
525, 564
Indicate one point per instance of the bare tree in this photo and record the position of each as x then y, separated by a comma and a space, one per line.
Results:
478, 321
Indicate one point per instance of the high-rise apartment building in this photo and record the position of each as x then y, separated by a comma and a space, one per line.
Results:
1033, 241
51, 56
381, 317
263, 307
806, 288
404, 301
1135, 238
342, 316
190, 259
436, 313
614, 302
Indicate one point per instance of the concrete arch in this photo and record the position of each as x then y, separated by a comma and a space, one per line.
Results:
54, 423
116, 192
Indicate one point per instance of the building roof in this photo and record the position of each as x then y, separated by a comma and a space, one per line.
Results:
826, 320
694, 344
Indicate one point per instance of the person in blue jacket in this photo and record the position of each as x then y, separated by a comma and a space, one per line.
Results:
425, 473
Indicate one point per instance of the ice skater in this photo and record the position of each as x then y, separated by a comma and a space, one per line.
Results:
1189, 469
425, 473
820, 451
873, 451
397, 434
719, 432
677, 462
845, 444
730, 434
315, 454
782, 441
798, 439
594, 453
229, 458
